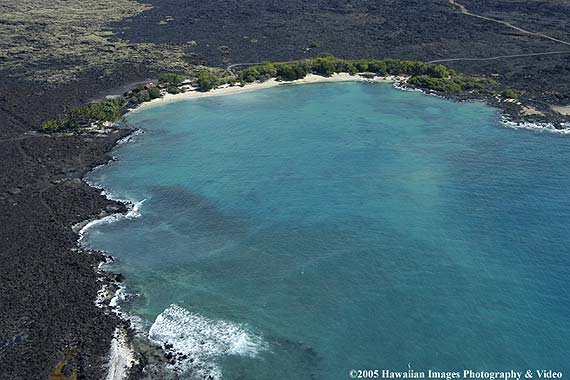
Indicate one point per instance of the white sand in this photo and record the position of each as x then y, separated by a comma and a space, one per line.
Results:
227, 90
121, 356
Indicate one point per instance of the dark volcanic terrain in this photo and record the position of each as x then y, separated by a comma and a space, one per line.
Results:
231, 31
58, 54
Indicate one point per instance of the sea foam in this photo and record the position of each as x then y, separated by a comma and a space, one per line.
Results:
133, 212
203, 340
130, 137
537, 126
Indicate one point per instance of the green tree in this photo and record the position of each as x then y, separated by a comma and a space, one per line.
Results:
324, 66
290, 71
511, 93
378, 67
206, 81
267, 69
361, 66
173, 90
171, 78
154, 93
250, 75
50, 126
143, 96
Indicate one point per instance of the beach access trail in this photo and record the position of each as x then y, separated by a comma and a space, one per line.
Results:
464, 11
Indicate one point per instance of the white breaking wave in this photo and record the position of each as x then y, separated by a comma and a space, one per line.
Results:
120, 296
121, 354
202, 340
402, 86
537, 127
130, 137
133, 212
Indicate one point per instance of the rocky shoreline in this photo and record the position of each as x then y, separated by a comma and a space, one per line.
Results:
49, 283
49, 322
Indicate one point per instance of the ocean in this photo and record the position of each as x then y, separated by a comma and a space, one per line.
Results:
301, 232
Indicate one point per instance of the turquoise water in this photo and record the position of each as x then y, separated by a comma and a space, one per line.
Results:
300, 232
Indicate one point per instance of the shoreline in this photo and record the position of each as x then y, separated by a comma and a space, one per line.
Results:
270, 83
43, 196
122, 355
507, 118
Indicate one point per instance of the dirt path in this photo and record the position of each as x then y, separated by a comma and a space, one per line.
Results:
230, 67
464, 10
23, 137
500, 57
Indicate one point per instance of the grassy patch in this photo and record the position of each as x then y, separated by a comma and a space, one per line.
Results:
76, 37
65, 369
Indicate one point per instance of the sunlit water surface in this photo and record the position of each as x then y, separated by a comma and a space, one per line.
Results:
300, 232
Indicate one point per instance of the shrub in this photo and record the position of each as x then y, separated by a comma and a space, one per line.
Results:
154, 93
435, 84
143, 96
250, 75
451, 84
511, 93
173, 90
290, 71
171, 78
50, 126
106, 111
361, 66
326, 64
206, 81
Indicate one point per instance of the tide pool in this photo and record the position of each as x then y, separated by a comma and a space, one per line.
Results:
301, 232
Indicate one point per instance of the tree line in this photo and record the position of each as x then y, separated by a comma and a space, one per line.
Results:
327, 65
421, 75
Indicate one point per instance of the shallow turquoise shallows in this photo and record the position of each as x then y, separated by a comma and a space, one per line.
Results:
301, 232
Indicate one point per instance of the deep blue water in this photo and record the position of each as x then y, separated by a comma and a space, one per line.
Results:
304, 231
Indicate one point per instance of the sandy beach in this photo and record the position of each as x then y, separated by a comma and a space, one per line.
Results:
228, 90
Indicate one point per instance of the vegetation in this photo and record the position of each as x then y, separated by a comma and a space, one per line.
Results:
66, 369
207, 81
139, 96
452, 84
511, 93
30, 51
82, 117
50, 126
327, 65
422, 75
154, 93
111, 110
106, 110
171, 79
173, 90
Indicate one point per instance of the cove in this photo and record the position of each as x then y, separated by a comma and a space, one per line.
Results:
300, 232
